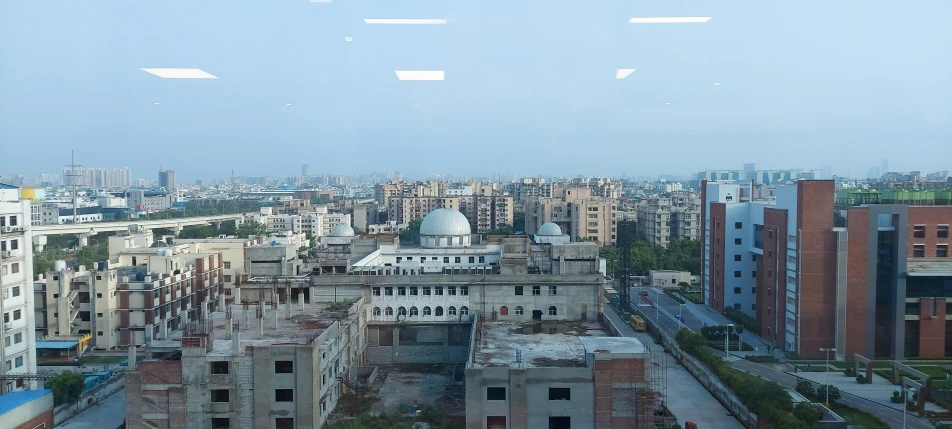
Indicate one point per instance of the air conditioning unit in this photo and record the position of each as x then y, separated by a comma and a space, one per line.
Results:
7, 326
6, 254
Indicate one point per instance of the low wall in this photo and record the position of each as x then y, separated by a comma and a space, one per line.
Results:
387, 355
88, 399
367, 374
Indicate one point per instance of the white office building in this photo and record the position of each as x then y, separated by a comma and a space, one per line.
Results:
18, 351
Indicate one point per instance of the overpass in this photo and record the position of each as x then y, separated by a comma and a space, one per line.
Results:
84, 230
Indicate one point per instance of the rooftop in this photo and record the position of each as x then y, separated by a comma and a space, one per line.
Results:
534, 344
12, 400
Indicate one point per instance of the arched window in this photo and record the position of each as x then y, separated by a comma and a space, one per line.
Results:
451, 311
376, 311
414, 312
427, 311
504, 311
553, 311
389, 311
439, 311
464, 310
519, 311
402, 311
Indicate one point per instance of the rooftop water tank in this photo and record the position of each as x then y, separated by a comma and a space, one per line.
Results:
59, 266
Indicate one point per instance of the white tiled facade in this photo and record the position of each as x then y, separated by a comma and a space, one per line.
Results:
16, 299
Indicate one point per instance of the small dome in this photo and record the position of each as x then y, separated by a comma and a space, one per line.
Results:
342, 230
549, 229
445, 222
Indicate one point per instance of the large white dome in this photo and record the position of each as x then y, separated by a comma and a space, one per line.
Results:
342, 230
445, 222
549, 229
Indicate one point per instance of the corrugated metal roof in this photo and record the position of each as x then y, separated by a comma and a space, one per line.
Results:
12, 400
56, 345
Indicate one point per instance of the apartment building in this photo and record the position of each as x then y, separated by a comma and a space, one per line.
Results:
862, 273
662, 219
398, 188
18, 351
577, 212
317, 222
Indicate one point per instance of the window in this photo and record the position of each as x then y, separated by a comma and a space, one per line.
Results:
388, 291
737, 241
737, 274
519, 311
919, 231
737, 258
399, 259
446, 259
753, 274
402, 291
518, 290
472, 259
426, 290
464, 290
553, 290
458, 259
376, 311
769, 272
227, 278
736, 290
451, 311
560, 394
18, 362
553, 311
14, 244
389, 311
413, 290
736, 306
414, 312
375, 290
753, 290
438, 290
283, 395
16, 291
562, 422
942, 231
227, 265
495, 393
219, 367
283, 423
18, 338
14, 268
427, 311
941, 251
537, 290
738, 225
482, 259
219, 395
463, 311
220, 423
285, 366
402, 311
451, 290
439, 311
919, 251
753, 306
17, 314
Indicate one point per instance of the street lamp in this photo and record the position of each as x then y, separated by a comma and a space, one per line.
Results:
827, 351
727, 337
657, 310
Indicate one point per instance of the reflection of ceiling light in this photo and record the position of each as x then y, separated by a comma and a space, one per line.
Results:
320, 1
717, 84
348, 39
409, 21
670, 20
288, 104
667, 102
419, 74
623, 73
180, 73
156, 103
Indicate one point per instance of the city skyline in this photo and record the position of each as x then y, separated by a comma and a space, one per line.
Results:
538, 85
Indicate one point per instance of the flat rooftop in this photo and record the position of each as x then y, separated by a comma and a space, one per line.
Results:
534, 344
303, 326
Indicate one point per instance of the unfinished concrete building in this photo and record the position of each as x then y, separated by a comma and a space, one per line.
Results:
559, 375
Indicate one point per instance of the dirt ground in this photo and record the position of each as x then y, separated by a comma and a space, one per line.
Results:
425, 386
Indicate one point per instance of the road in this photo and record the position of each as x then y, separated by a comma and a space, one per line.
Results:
110, 413
671, 326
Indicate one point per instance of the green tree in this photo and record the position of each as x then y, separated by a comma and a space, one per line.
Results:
519, 221
66, 386
689, 341
503, 230
807, 413
197, 231
834, 393
409, 234
251, 228
228, 228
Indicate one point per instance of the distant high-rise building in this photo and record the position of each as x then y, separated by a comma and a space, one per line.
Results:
167, 179
885, 168
397, 177
306, 169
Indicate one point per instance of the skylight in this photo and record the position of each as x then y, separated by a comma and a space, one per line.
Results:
170, 73
405, 21
419, 74
670, 20
623, 73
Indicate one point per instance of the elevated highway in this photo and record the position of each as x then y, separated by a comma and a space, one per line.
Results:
84, 230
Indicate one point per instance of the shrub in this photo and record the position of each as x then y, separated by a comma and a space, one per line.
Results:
805, 388
834, 392
861, 379
850, 372
66, 386
742, 319
896, 397
807, 413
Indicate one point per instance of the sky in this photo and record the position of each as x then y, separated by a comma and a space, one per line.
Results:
530, 86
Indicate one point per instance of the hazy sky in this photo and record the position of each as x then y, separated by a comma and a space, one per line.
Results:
530, 86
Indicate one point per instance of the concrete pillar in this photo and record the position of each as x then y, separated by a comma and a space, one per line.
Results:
163, 329
229, 328
235, 342
132, 358
177, 230
274, 314
260, 327
301, 299
287, 303
245, 313
83, 240
39, 243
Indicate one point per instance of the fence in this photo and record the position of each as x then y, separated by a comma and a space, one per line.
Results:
88, 399
709, 380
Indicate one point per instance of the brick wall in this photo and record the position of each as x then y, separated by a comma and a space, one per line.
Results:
717, 239
817, 259
170, 400
622, 399
44, 420
772, 277
931, 329
702, 235
858, 288
931, 217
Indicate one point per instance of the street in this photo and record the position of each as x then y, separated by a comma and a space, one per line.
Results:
108, 414
671, 326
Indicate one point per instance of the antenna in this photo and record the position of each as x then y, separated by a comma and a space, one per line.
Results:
72, 180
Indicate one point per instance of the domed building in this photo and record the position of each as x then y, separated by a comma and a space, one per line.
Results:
551, 233
340, 234
342, 230
445, 228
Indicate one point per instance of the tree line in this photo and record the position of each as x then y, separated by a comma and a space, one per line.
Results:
681, 254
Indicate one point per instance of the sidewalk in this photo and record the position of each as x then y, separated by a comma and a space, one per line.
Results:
879, 391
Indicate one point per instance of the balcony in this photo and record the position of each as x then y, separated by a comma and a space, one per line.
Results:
11, 230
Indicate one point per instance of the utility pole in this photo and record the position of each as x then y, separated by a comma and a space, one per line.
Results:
72, 180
